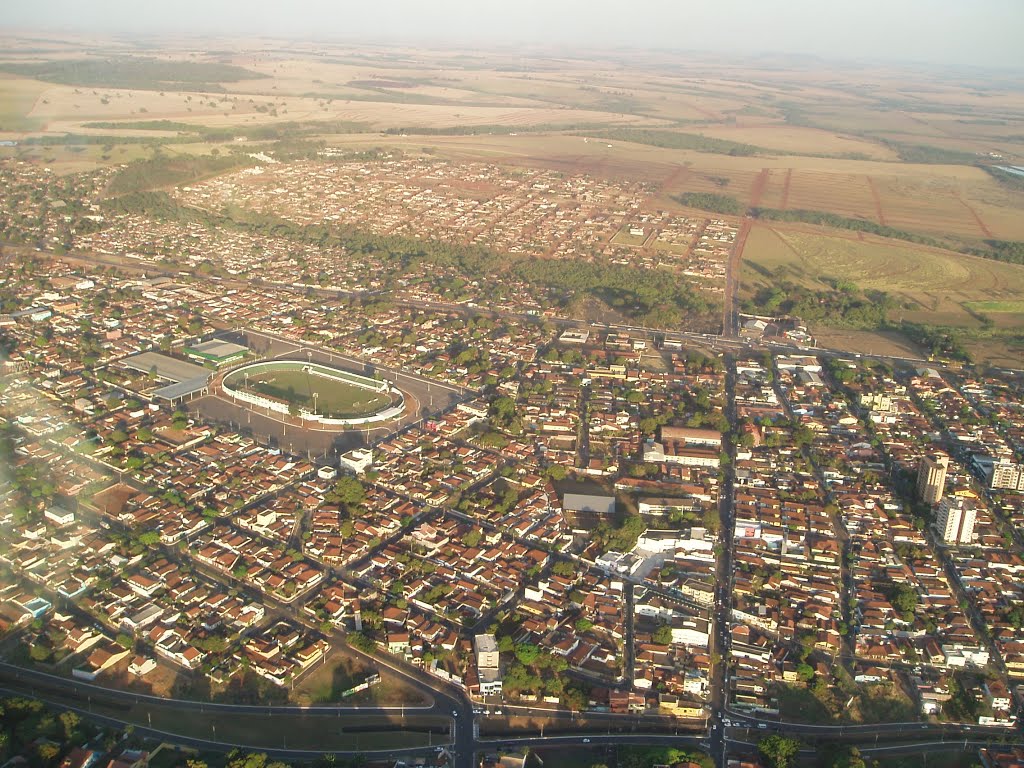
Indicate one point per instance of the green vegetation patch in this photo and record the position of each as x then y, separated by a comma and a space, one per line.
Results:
479, 130
132, 72
270, 132
926, 154
709, 201
844, 306
997, 307
678, 140
1011, 251
166, 171
643, 294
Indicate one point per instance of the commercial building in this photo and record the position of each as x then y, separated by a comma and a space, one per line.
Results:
955, 521
488, 667
931, 477
588, 502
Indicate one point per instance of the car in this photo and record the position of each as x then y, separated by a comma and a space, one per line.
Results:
455, 713
762, 726
586, 741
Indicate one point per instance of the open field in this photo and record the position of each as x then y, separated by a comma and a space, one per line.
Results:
342, 671
867, 342
17, 99
934, 285
798, 139
794, 116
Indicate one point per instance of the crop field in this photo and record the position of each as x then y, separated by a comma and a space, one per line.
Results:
898, 149
798, 139
17, 98
847, 194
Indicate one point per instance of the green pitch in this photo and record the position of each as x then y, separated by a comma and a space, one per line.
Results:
334, 399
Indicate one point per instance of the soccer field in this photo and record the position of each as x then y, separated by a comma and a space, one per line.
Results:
326, 396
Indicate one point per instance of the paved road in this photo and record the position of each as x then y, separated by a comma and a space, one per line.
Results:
723, 580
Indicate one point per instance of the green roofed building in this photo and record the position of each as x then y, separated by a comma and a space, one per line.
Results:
217, 352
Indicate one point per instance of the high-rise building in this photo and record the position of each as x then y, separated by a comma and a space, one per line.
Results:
1007, 476
931, 477
955, 521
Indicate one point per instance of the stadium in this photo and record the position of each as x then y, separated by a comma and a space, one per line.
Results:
320, 395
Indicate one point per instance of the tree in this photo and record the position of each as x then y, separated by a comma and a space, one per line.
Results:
47, 751
556, 472
662, 635
844, 756
503, 409
69, 722
527, 653
564, 568
779, 751
349, 490
903, 598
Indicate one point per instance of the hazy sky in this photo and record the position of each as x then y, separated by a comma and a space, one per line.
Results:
958, 32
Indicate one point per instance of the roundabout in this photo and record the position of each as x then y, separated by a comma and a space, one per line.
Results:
319, 395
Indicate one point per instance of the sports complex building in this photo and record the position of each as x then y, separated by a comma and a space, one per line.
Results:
217, 352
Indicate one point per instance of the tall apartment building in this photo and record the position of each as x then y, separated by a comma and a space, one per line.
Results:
1007, 476
931, 477
955, 521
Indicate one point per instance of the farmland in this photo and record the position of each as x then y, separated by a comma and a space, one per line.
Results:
895, 149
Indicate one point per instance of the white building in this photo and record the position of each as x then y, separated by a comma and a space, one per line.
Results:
358, 460
1008, 476
955, 520
488, 666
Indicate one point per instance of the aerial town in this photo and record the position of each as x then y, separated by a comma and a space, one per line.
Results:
563, 516
531, 385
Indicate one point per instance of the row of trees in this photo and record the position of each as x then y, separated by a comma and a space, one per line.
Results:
710, 201
826, 219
